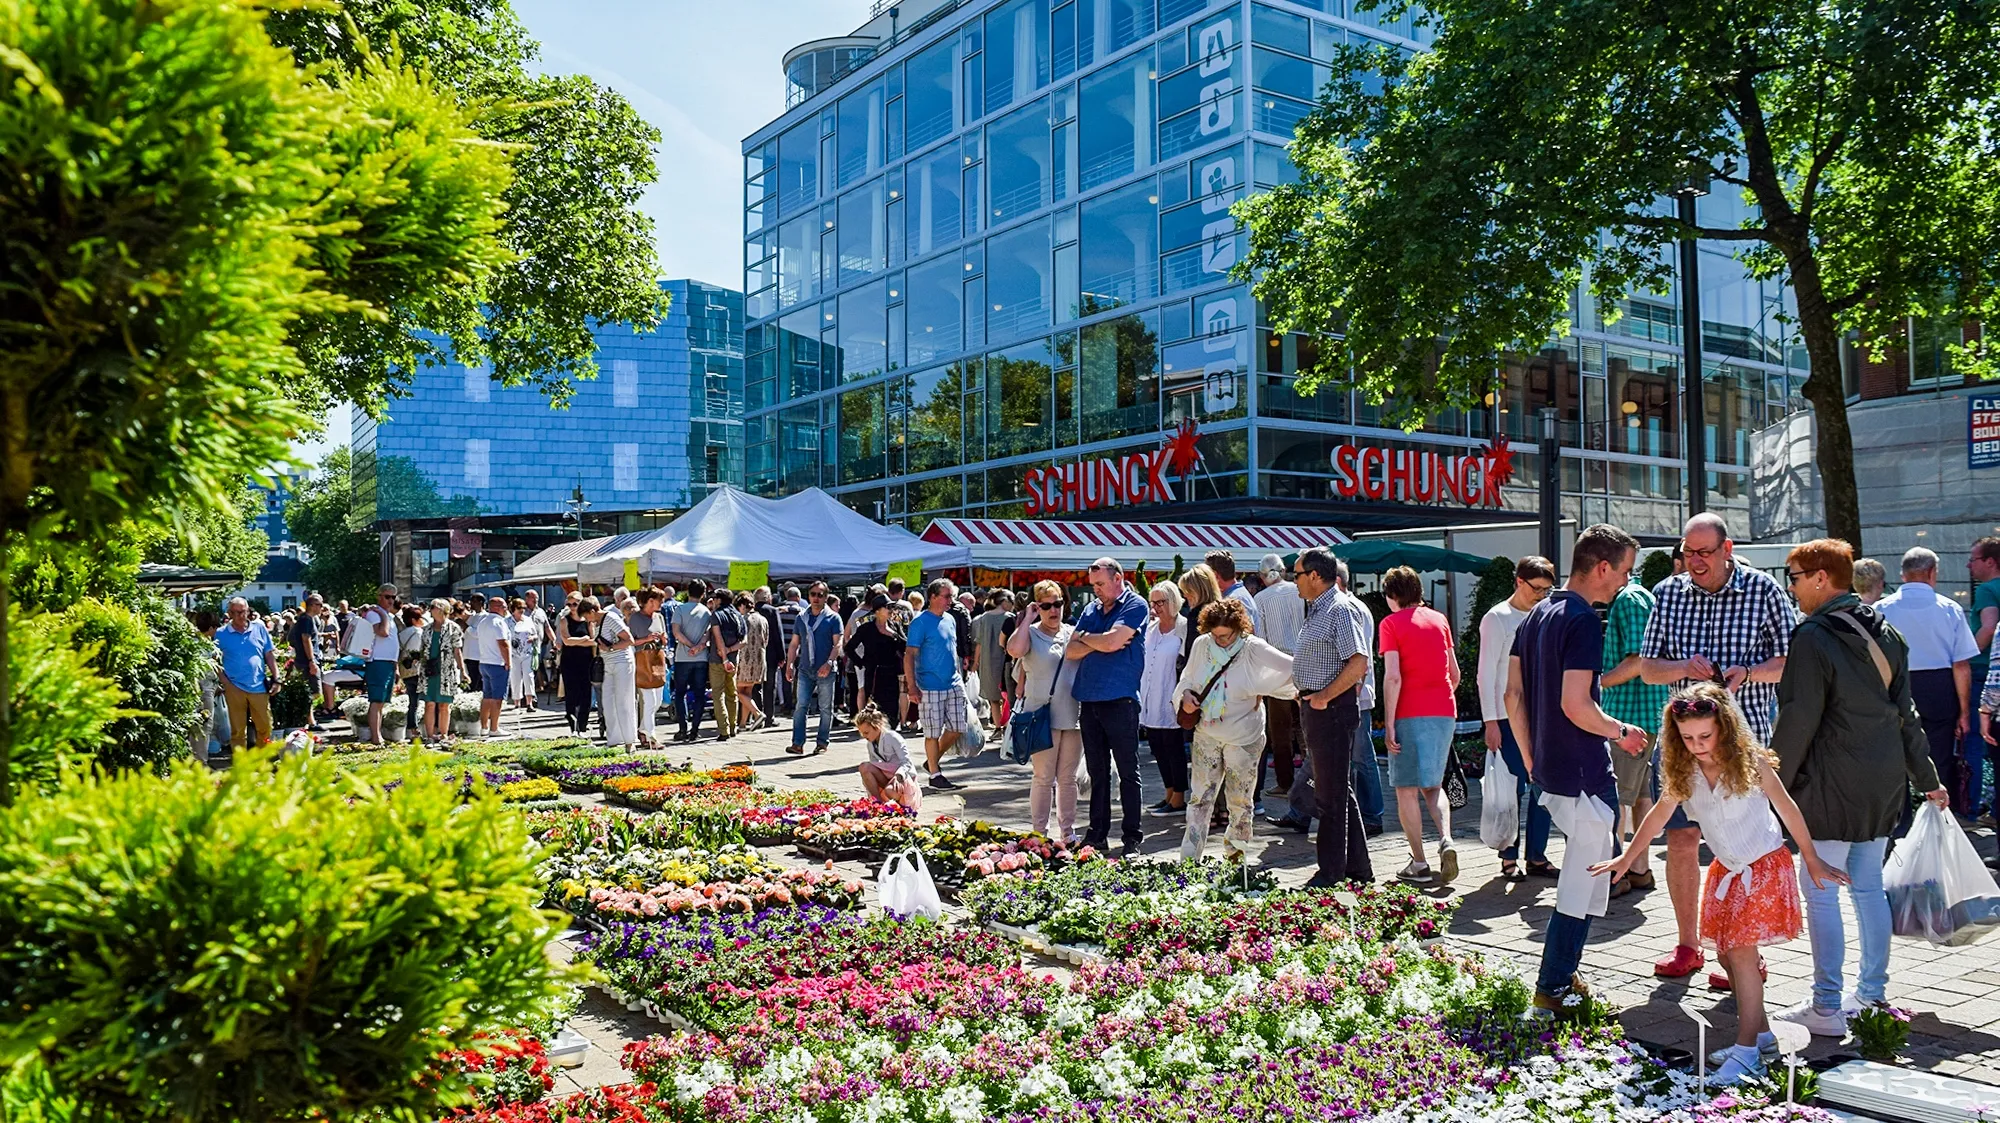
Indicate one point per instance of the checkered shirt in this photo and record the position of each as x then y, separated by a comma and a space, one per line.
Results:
1748, 621
1635, 702
1336, 630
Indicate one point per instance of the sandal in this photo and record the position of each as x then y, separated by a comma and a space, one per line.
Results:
1641, 880
1543, 869
1621, 887
1510, 870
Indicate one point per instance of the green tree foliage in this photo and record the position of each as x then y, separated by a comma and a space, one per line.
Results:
582, 251
1448, 217
1658, 566
294, 942
346, 559
221, 538
63, 707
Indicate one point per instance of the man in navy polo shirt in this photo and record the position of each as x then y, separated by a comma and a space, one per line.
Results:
1564, 735
1108, 668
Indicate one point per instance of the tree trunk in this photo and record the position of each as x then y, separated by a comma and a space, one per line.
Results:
1833, 453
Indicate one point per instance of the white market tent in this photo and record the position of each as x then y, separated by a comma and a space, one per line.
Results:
809, 534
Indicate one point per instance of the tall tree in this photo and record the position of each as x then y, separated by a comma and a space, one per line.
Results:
176, 196
345, 558
220, 538
1446, 212
582, 249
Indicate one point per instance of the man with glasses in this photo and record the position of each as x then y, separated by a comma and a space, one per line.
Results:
249, 667
1984, 617
1111, 664
1533, 578
1849, 744
1718, 622
1329, 664
378, 630
815, 644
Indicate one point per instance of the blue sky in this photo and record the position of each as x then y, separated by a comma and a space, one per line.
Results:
706, 74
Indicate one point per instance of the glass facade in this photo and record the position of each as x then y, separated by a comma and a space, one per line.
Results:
660, 425
1004, 243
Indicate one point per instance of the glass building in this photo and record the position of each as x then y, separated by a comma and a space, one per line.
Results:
651, 435
997, 240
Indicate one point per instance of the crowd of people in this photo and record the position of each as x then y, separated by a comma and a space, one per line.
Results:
1712, 707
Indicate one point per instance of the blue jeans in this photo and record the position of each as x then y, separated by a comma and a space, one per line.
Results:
689, 686
1863, 863
1973, 751
1367, 770
1534, 817
813, 689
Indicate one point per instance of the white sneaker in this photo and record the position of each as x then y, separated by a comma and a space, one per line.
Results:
1740, 1063
1767, 1048
1416, 873
1821, 1023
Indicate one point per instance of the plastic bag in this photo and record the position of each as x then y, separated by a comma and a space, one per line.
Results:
1499, 804
1938, 888
906, 889
973, 741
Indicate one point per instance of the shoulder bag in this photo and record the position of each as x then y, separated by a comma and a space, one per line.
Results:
1182, 716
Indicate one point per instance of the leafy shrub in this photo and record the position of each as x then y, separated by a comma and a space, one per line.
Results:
1657, 567
294, 940
160, 671
62, 705
292, 703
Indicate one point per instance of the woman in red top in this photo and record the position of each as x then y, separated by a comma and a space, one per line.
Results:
1419, 678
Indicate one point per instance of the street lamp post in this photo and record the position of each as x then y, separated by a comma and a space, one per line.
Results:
1693, 400
577, 505
1551, 454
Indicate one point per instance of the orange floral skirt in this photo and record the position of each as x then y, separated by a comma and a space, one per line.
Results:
1767, 913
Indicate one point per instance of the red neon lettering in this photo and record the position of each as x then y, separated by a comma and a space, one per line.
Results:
1071, 489
1111, 481
1346, 471
1031, 483
1134, 471
1374, 465
1451, 478
1156, 475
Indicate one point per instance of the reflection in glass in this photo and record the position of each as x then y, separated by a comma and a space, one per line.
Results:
933, 207
1115, 121
1020, 284
1120, 377
1018, 414
1120, 259
1644, 397
933, 312
864, 237
798, 166
798, 260
1017, 52
1105, 26
1018, 162
799, 353
927, 98
860, 137
932, 438
862, 435
798, 447
864, 334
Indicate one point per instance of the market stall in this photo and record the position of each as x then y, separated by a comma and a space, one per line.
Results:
1014, 552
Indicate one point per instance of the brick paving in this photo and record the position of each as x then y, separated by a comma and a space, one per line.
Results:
1954, 992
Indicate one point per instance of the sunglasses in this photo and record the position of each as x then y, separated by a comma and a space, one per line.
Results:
1798, 575
1692, 707
818, 596
1050, 606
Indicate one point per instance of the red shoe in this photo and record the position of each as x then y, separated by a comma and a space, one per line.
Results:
1684, 962
1718, 980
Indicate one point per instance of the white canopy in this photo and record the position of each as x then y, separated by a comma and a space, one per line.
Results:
809, 534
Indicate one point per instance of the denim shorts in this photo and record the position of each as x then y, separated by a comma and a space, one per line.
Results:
380, 679
1424, 743
493, 682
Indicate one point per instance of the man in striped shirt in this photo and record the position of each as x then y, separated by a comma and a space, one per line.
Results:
1721, 621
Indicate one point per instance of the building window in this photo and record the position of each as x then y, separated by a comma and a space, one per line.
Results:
933, 215
1120, 248
625, 467
933, 314
1019, 416
1017, 52
1020, 282
798, 166
1115, 123
1103, 27
478, 385
625, 383
864, 236
862, 435
861, 135
1018, 165
864, 334
927, 94
478, 463
1120, 376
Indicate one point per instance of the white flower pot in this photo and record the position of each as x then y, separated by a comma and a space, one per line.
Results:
568, 1048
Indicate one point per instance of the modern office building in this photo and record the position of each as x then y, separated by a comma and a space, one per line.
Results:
465, 477
987, 250
1926, 456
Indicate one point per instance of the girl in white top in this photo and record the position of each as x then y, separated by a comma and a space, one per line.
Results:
1037, 648
1711, 764
1165, 640
887, 773
1229, 737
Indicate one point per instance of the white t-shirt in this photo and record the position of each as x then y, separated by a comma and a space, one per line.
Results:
376, 648
484, 634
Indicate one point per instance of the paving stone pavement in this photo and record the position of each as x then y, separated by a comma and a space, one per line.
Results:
1954, 992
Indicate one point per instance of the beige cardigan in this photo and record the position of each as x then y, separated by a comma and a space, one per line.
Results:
1261, 671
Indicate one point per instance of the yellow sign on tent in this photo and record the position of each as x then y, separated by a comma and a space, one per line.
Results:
911, 573
745, 576
632, 573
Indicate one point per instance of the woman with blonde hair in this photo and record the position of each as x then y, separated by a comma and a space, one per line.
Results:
1037, 646
1227, 677
1199, 589
1163, 640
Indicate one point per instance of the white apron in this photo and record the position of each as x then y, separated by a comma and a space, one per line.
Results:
1586, 826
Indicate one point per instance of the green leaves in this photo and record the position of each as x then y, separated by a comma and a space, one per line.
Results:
292, 940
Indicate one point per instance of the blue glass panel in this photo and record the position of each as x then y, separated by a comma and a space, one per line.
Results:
1018, 162
798, 166
864, 236
932, 303
1105, 26
929, 80
1017, 52
864, 333
1020, 284
1120, 248
1115, 122
932, 210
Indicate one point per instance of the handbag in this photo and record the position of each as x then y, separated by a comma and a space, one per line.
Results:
1188, 720
1454, 781
1030, 732
650, 665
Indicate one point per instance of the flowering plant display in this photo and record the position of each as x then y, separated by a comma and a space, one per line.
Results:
589, 776
772, 824
573, 876
675, 961
670, 898
1380, 913
623, 1103
1091, 894
528, 790
1880, 1032
506, 1068
1033, 852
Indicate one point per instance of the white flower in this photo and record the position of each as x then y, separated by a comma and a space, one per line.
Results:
789, 1067
1303, 1025
885, 1106
1137, 1006
934, 1053
952, 1028
962, 1103
1117, 1074
868, 1053
1194, 991
1181, 1053
1041, 1084
1070, 1012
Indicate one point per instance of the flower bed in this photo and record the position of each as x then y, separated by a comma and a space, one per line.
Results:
779, 823
668, 898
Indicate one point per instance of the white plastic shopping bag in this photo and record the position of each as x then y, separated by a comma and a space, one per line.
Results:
973, 741
906, 889
1499, 804
1938, 888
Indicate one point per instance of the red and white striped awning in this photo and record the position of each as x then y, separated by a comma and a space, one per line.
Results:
1074, 544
